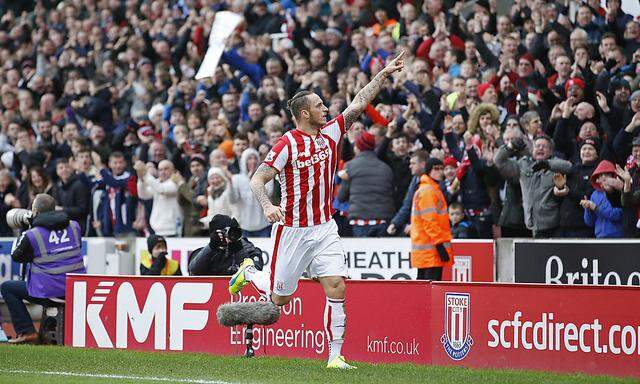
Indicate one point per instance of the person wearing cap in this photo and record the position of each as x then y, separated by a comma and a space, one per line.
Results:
368, 186
154, 261
450, 184
188, 192
535, 172
430, 227
574, 87
226, 251
602, 209
572, 190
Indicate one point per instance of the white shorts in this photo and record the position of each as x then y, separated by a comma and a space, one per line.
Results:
317, 249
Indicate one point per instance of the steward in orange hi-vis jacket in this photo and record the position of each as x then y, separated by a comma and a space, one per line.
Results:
430, 228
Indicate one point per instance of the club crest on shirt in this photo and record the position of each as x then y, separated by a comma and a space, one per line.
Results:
320, 143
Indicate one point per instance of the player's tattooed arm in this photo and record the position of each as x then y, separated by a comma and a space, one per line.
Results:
371, 90
258, 182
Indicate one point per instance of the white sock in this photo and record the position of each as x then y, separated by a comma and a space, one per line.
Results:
260, 281
334, 325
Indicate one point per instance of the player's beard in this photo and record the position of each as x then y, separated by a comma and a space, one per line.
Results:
320, 121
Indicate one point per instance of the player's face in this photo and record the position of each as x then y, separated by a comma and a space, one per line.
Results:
317, 111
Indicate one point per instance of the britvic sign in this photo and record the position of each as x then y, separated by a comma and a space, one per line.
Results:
577, 262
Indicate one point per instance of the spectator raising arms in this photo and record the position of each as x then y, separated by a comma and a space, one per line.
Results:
117, 78
166, 216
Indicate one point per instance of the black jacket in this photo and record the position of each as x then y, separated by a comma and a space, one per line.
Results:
5, 230
56, 220
208, 261
571, 213
74, 198
400, 168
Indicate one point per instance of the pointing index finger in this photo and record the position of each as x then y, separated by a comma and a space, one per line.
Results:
400, 56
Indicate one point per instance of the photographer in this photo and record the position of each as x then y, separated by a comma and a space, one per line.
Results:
226, 250
53, 248
155, 262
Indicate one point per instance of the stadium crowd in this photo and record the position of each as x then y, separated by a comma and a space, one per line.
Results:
534, 113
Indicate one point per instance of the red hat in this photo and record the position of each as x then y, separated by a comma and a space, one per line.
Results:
529, 57
451, 161
366, 141
604, 167
482, 88
574, 81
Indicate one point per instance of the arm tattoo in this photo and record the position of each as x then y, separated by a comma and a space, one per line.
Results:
260, 178
363, 98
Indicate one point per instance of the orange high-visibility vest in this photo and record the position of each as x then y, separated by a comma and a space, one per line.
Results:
429, 226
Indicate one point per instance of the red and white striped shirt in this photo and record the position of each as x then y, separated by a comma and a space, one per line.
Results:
306, 167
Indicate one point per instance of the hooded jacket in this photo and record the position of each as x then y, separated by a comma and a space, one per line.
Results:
249, 211
607, 217
220, 205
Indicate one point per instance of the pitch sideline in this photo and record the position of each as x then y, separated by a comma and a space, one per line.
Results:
118, 377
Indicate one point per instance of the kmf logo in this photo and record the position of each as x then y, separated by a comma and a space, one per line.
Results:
456, 339
122, 300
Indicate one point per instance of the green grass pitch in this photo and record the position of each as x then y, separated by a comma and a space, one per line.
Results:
52, 365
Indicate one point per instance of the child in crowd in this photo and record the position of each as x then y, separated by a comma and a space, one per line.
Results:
461, 228
603, 209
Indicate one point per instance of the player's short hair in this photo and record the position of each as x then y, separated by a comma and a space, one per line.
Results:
298, 102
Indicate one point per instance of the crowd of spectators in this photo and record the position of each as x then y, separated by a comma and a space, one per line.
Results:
534, 112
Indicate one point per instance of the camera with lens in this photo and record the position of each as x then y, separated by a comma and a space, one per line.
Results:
233, 233
19, 218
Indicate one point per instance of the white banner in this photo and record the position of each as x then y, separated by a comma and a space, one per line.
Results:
367, 258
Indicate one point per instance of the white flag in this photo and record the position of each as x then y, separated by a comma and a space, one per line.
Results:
223, 26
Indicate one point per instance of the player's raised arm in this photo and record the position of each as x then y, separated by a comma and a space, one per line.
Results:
371, 90
258, 182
